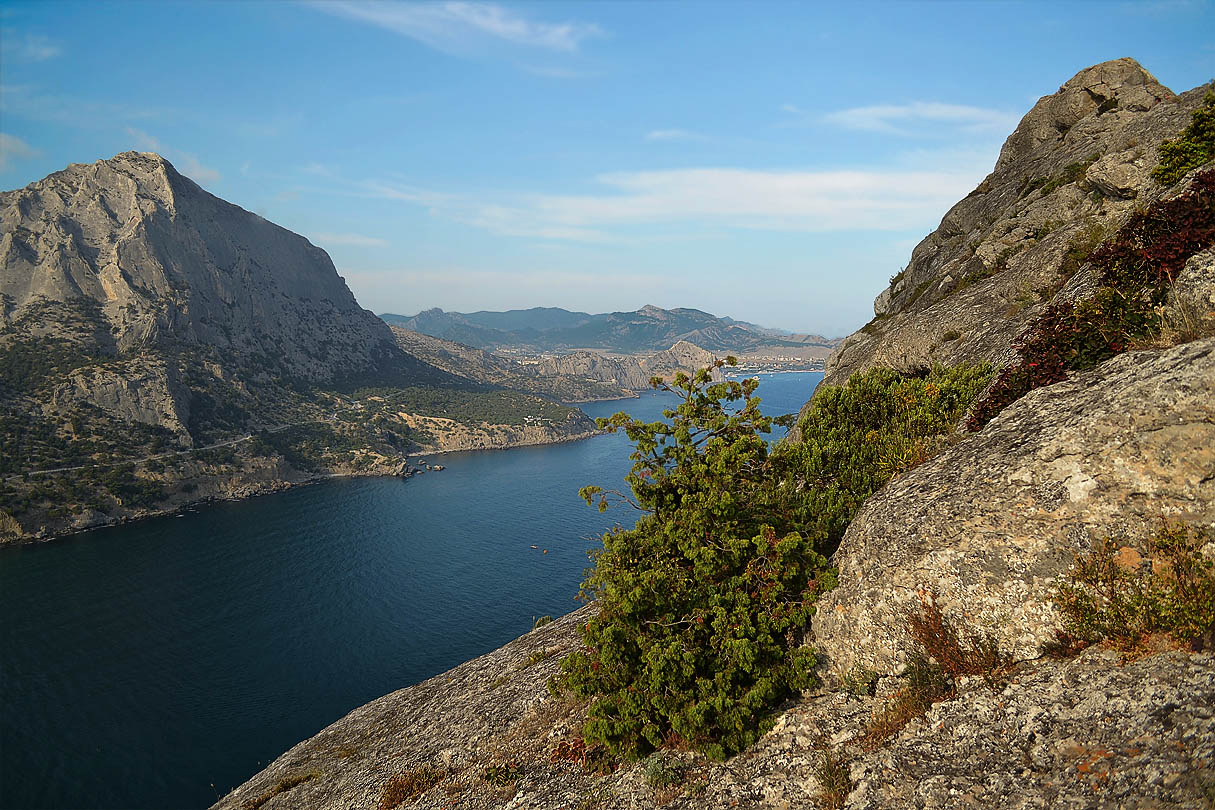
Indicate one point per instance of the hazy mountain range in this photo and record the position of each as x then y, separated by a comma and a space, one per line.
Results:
649, 329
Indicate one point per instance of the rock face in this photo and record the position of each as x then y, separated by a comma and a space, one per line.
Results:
992, 523
575, 377
485, 367
1075, 167
170, 264
624, 372
1084, 733
1087, 733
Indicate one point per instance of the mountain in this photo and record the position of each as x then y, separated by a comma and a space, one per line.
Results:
1078, 163
564, 383
580, 376
649, 329
948, 673
143, 319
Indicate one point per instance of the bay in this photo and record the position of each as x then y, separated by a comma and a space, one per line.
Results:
161, 663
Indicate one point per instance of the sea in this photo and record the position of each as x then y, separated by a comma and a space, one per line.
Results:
161, 663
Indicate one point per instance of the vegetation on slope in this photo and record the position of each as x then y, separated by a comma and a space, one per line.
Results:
1125, 594
1192, 148
704, 603
1136, 267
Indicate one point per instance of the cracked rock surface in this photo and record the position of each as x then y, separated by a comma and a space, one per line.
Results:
993, 522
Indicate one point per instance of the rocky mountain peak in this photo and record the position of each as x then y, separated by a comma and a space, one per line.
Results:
1109, 87
162, 263
1077, 166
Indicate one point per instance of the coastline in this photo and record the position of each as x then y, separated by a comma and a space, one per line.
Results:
249, 489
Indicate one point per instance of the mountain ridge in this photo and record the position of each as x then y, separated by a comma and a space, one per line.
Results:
648, 329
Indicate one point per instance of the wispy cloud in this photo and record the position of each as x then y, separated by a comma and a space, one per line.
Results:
709, 198
550, 72
185, 162
919, 117
27, 101
463, 28
672, 135
19, 47
352, 239
13, 148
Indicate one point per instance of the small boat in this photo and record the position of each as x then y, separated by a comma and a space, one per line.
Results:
535, 546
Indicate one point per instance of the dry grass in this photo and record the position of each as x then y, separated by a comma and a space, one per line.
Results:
284, 784
834, 781
944, 655
409, 785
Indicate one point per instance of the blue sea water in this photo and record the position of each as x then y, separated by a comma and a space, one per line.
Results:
161, 663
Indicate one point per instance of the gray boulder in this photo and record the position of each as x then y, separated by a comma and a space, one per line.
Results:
992, 523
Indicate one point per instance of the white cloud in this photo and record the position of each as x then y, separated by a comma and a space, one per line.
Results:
902, 119
352, 239
711, 198
190, 167
672, 135
28, 48
461, 27
143, 140
13, 148
185, 162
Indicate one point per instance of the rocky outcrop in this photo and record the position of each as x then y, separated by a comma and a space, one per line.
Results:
1084, 733
168, 263
444, 435
683, 356
624, 372
1076, 166
144, 390
485, 367
992, 523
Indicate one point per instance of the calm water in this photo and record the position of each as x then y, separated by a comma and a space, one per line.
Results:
160, 664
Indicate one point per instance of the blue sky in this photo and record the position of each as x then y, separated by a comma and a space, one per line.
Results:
774, 162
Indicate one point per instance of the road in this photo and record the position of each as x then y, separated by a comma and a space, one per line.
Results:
171, 454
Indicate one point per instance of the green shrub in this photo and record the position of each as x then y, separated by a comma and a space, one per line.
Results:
705, 601
1192, 148
502, 774
662, 771
856, 437
1120, 595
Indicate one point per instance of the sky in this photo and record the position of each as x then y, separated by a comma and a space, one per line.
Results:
774, 162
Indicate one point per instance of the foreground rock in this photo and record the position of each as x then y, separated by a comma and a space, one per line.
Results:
991, 524
1082, 733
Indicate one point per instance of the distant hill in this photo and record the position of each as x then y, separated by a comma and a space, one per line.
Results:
649, 329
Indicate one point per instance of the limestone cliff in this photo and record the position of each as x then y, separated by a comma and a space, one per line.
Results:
579, 376
169, 264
